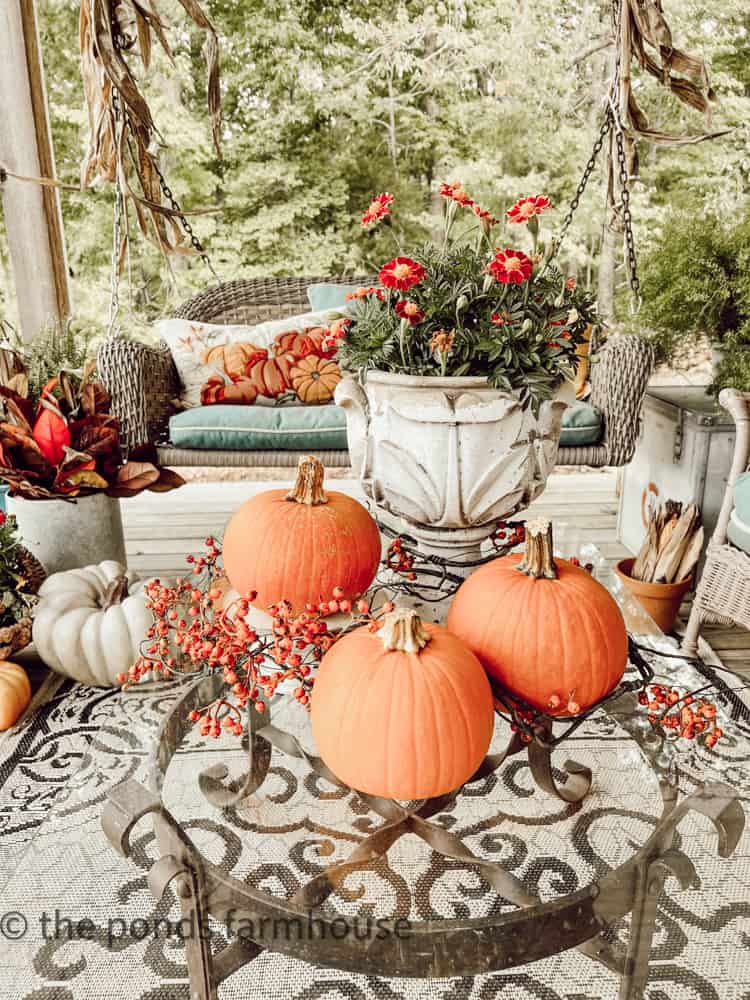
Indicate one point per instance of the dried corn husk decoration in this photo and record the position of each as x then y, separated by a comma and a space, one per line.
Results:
121, 128
673, 545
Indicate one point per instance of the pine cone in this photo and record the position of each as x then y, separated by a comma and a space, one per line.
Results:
32, 570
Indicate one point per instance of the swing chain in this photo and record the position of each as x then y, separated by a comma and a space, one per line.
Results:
610, 122
114, 280
175, 205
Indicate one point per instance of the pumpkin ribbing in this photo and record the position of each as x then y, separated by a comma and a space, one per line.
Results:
405, 712
545, 629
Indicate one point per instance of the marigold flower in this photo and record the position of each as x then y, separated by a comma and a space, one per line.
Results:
483, 215
379, 208
510, 267
441, 342
526, 208
455, 192
500, 319
401, 273
362, 293
570, 283
409, 310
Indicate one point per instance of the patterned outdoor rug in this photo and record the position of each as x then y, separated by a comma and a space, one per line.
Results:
57, 868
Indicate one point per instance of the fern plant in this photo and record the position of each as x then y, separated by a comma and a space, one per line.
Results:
696, 283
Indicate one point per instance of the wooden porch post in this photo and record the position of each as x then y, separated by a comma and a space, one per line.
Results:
33, 219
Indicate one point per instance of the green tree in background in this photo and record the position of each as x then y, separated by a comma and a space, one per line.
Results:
327, 103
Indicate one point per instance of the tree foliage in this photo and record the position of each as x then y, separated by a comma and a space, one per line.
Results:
326, 103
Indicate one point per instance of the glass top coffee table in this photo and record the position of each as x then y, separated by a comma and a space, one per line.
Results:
574, 873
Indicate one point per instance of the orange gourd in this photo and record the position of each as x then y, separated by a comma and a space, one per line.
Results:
299, 545
546, 629
314, 379
405, 712
15, 693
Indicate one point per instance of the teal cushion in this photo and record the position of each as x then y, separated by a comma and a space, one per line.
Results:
581, 424
260, 428
328, 295
738, 532
742, 497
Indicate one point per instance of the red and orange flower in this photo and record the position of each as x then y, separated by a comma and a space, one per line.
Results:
409, 310
510, 267
526, 208
401, 273
455, 192
380, 207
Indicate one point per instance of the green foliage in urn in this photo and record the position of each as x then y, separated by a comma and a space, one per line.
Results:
468, 307
696, 282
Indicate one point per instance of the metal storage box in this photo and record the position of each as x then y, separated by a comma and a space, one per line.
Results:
684, 453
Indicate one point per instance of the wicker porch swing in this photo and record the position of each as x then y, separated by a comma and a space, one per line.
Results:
143, 380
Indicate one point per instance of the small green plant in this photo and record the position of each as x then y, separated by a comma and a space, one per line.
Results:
64, 346
696, 283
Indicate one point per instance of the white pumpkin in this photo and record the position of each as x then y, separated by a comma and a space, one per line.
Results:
90, 623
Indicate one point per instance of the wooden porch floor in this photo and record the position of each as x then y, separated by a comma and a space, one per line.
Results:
161, 529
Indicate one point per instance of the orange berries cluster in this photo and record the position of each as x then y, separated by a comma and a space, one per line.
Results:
508, 535
400, 560
685, 716
557, 703
196, 629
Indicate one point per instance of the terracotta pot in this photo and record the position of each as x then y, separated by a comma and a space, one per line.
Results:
661, 601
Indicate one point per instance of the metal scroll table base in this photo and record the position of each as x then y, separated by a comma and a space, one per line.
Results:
431, 948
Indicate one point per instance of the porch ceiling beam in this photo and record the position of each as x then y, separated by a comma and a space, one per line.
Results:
33, 219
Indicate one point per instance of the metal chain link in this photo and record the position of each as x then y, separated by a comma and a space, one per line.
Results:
175, 205
119, 205
612, 120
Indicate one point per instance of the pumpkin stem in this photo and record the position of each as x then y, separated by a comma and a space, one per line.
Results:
115, 593
538, 561
309, 486
403, 630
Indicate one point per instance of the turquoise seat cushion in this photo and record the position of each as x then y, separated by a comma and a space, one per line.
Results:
738, 532
328, 295
742, 497
260, 428
581, 424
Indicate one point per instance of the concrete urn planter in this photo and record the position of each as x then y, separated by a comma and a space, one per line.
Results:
447, 457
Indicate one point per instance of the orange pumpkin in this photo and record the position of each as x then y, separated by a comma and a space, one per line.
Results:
15, 693
314, 379
405, 712
546, 629
299, 545
271, 376
310, 341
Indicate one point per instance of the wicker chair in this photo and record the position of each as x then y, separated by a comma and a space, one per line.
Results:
723, 593
143, 381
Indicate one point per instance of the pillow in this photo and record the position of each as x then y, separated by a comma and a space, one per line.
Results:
328, 295
260, 428
213, 357
742, 497
581, 424
738, 532
583, 366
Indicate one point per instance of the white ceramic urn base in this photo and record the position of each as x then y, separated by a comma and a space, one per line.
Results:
448, 457
69, 534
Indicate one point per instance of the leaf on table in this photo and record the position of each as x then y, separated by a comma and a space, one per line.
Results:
134, 477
